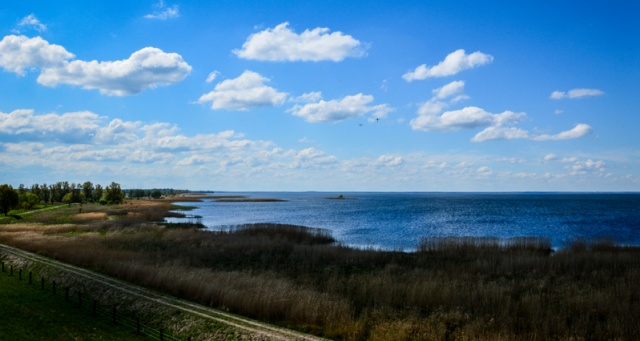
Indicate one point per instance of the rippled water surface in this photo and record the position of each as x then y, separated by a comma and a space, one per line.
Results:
400, 220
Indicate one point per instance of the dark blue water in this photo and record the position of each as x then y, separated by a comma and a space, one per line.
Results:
400, 220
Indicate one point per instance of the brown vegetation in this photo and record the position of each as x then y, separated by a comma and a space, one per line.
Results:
464, 288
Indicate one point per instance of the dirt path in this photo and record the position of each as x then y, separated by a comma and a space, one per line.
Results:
259, 329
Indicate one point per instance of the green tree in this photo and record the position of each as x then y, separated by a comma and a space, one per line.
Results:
97, 193
87, 189
46, 193
35, 189
29, 200
114, 194
8, 198
68, 198
156, 194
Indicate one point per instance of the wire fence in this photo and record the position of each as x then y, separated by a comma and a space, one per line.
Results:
85, 301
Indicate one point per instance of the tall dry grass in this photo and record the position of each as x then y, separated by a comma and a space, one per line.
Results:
451, 288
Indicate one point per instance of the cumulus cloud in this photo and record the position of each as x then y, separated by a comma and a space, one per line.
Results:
340, 109
243, 93
389, 160
578, 131
466, 118
309, 97
20, 53
437, 104
453, 88
282, 44
495, 126
22, 124
147, 68
30, 140
454, 63
500, 133
164, 12
576, 93
30, 21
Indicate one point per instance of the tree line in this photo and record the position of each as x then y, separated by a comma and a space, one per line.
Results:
61, 192
64, 192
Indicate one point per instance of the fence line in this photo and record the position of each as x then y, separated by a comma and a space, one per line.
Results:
118, 318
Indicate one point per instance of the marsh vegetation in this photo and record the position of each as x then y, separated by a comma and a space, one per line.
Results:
462, 288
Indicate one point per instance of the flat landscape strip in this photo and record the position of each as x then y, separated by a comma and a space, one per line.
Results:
248, 325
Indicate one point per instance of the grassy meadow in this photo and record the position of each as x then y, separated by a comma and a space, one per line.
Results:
28, 313
449, 289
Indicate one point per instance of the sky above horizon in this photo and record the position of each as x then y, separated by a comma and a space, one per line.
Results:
322, 95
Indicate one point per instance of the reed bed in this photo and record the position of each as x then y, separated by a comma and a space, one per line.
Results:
449, 289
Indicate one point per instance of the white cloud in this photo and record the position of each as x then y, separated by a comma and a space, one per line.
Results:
149, 154
282, 44
453, 88
455, 62
147, 68
496, 126
500, 133
212, 76
164, 12
578, 131
466, 118
23, 125
20, 53
436, 104
389, 160
432, 107
484, 171
144, 69
310, 158
512, 160
309, 97
117, 131
30, 21
340, 110
576, 93
588, 166
243, 93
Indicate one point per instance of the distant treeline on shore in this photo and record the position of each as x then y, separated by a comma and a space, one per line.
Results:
24, 197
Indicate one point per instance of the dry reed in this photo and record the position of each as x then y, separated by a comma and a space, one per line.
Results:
451, 288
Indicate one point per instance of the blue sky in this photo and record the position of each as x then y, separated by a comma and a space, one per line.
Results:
325, 96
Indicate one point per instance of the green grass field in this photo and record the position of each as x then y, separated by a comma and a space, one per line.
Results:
29, 313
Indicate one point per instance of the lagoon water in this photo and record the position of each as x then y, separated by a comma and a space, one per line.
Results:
400, 220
